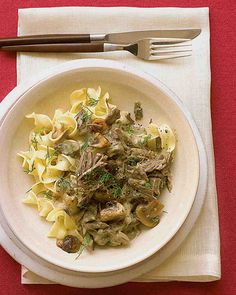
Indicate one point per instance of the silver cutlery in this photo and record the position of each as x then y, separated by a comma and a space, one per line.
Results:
118, 38
148, 49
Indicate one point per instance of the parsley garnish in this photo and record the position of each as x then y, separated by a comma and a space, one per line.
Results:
105, 178
35, 142
91, 101
144, 142
148, 185
86, 242
63, 184
117, 191
48, 194
48, 156
129, 129
84, 146
29, 170
110, 182
132, 161
86, 117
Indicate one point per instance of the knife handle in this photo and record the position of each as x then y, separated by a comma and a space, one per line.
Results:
46, 39
66, 47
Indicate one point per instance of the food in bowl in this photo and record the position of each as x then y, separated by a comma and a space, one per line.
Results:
98, 172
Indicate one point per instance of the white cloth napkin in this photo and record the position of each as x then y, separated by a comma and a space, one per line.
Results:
198, 259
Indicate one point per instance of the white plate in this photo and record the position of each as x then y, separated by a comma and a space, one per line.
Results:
125, 85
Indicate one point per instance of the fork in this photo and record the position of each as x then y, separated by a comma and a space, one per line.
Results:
148, 49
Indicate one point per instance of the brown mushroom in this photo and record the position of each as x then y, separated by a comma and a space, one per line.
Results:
69, 244
113, 116
98, 125
102, 196
68, 148
113, 211
149, 214
100, 141
138, 111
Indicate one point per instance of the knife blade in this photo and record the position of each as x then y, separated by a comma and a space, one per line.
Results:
130, 37
121, 38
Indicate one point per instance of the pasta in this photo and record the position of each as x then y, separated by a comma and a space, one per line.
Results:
98, 174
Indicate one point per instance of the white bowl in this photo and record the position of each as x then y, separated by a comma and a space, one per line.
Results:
125, 86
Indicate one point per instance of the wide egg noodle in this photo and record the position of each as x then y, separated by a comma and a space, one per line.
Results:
94, 94
153, 133
103, 106
63, 223
44, 205
168, 139
41, 121
77, 99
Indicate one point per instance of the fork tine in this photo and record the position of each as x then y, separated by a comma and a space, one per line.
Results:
162, 57
168, 40
155, 52
169, 45
148, 49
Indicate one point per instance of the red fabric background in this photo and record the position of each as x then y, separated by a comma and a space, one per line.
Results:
223, 102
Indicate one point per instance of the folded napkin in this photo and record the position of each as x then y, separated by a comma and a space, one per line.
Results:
198, 258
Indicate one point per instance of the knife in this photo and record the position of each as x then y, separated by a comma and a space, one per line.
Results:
121, 38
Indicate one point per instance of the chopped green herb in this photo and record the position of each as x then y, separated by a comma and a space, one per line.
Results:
144, 142
49, 157
117, 191
35, 142
47, 194
29, 170
129, 129
110, 182
86, 242
38, 134
85, 114
91, 101
84, 146
63, 184
104, 178
148, 185
86, 117
132, 161
28, 190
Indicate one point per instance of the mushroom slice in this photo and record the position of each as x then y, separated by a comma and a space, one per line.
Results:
98, 125
113, 211
113, 116
100, 141
95, 225
138, 111
68, 147
149, 214
102, 196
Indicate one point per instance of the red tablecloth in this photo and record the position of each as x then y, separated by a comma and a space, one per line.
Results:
223, 102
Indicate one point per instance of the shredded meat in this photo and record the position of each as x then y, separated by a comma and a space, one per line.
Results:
88, 162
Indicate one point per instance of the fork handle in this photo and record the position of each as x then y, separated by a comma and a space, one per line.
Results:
65, 47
